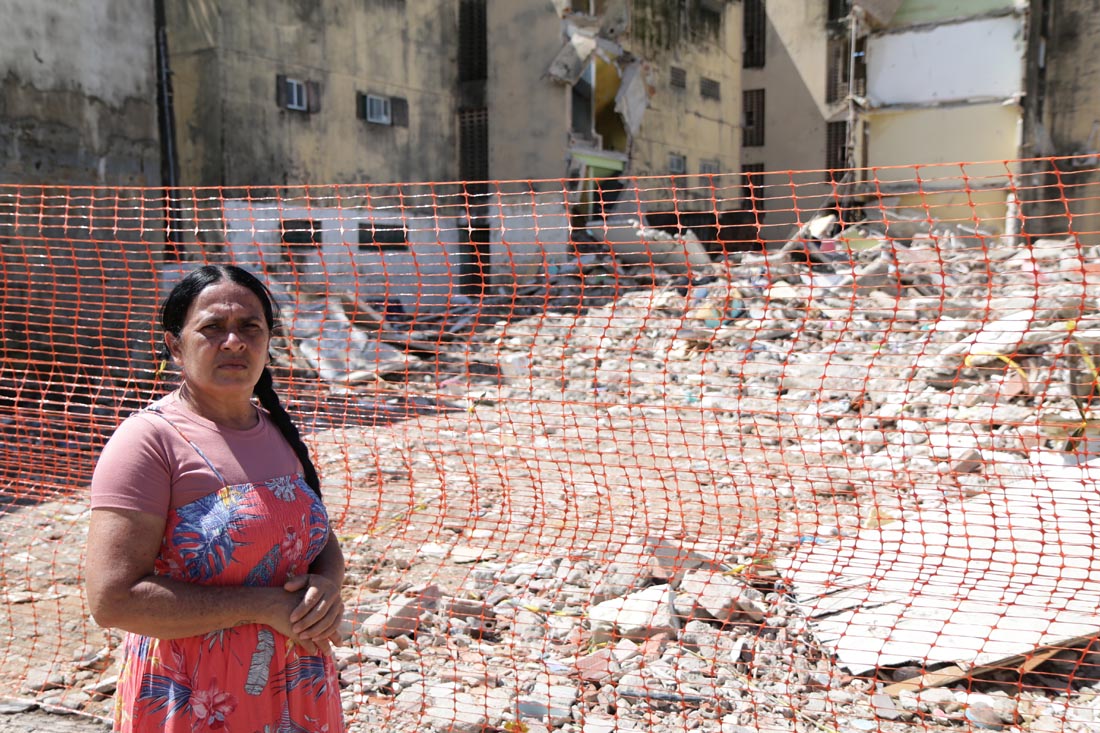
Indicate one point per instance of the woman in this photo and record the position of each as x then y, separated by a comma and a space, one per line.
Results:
209, 543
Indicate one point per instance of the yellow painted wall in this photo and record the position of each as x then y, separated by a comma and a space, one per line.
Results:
226, 56
930, 136
979, 209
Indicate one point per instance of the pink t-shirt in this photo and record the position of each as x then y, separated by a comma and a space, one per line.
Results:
148, 466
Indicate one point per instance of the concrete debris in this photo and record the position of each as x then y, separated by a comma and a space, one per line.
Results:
635, 244
569, 63
402, 615
862, 399
639, 615
719, 598
632, 99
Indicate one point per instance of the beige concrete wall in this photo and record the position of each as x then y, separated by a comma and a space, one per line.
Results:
528, 112
78, 91
796, 113
681, 120
227, 54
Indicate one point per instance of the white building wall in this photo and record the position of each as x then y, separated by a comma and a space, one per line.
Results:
974, 60
422, 276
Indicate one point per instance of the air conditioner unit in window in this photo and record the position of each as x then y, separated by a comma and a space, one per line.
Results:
378, 110
296, 95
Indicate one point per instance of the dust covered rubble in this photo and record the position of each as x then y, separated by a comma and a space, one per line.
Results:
931, 357
931, 360
931, 363
661, 638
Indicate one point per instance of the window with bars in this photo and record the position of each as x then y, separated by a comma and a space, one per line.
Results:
839, 70
473, 144
752, 118
677, 77
473, 41
710, 88
755, 31
752, 184
836, 69
836, 148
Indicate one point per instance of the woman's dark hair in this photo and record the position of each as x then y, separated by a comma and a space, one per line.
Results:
173, 314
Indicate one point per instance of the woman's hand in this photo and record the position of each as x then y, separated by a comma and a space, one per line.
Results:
317, 618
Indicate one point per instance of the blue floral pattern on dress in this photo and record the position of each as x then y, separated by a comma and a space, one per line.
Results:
246, 678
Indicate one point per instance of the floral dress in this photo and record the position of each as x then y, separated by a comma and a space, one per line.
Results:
248, 678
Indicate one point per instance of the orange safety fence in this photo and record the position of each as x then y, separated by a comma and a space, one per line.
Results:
781, 451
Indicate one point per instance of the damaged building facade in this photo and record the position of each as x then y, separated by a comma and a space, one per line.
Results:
610, 89
891, 84
883, 84
945, 82
614, 87
492, 95
347, 92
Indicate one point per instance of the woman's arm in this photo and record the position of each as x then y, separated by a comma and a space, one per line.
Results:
124, 593
318, 617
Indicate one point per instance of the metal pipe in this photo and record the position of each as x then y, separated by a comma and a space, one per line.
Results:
166, 122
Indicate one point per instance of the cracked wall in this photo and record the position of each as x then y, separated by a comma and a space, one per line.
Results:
78, 95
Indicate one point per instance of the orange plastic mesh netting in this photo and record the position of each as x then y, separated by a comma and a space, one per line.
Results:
761, 452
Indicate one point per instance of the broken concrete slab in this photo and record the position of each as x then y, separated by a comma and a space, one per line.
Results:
550, 701
636, 244
569, 63
401, 615
719, 598
971, 583
632, 99
640, 615
338, 351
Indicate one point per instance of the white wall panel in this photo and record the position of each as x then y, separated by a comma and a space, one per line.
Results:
979, 59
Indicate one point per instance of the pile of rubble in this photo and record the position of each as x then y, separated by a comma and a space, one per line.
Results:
888, 367
525, 579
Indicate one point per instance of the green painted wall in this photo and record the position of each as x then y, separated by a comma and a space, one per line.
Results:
913, 12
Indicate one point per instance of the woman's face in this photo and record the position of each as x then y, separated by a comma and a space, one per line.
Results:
222, 347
